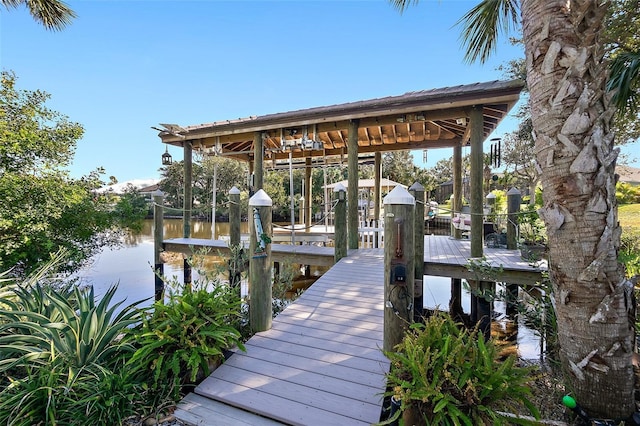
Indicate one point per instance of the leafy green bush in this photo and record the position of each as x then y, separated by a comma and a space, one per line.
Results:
186, 334
61, 354
444, 374
627, 193
629, 253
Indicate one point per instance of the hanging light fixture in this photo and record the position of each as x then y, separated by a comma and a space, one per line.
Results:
167, 160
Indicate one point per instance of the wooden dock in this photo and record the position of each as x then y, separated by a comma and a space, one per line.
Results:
443, 256
448, 257
303, 254
320, 363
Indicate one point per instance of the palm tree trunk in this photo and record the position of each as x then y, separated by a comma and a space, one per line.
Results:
572, 117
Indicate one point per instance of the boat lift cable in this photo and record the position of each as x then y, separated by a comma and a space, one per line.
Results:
319, 221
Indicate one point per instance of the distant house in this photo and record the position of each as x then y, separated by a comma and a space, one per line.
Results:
144, 186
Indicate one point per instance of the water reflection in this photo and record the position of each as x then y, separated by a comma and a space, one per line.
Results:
131, 267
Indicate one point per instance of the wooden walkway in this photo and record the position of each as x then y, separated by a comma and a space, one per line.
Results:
448, 257
321, 363
303, 254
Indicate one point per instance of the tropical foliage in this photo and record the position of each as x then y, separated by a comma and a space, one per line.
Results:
185, 335
444, 374
52, 14
62, 354
572, 122
43, 209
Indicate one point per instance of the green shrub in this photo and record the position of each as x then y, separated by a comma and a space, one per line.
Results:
60, 355
185, 335
629, 253
444, 374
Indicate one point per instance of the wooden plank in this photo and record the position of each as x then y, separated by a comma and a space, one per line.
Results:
292, 314
304, 386
321, 362
303, 254
328, 336
282, 409
321, 354
356, 302
312, 342
196, 410
329, 369
449, 258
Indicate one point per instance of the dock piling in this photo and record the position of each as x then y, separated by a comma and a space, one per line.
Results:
399, 271
158, 236
340, 232
260, 280
417, 190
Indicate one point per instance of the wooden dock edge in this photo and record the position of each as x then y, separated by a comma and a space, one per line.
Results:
196, 410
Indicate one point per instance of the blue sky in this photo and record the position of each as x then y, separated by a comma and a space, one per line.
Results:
124, 66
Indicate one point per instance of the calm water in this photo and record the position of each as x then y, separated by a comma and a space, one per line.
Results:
131, 267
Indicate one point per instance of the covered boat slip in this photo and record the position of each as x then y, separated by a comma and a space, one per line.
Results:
321, 362
450, 117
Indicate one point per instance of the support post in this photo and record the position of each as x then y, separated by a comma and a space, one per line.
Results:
513, 208
477, 194
417, 191
376, 195
214, 200
352, 189
307, 193
234, 216
399, 268
455, 303
484, 308
258, 159
235, 262
260, 279
456, 202
187, 205
158, 236
514, 199
340, 231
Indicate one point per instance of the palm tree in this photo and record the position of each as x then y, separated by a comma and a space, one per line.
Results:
572, 116
53, 14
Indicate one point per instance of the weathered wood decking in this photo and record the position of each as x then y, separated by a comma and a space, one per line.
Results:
448, 257
443, 256
321, 362
303, 254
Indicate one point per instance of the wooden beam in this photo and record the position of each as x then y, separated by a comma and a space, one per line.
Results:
526, 278
476, 178
352, 190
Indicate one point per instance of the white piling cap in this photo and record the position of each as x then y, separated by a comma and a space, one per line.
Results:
399, 195
339, 187
234, 191
260, 199
158, 193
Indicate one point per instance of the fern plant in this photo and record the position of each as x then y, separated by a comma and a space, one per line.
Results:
444, 374
185, 335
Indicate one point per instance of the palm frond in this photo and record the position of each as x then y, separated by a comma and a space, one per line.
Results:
403, 5
52, 14
482, 25
624, 81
